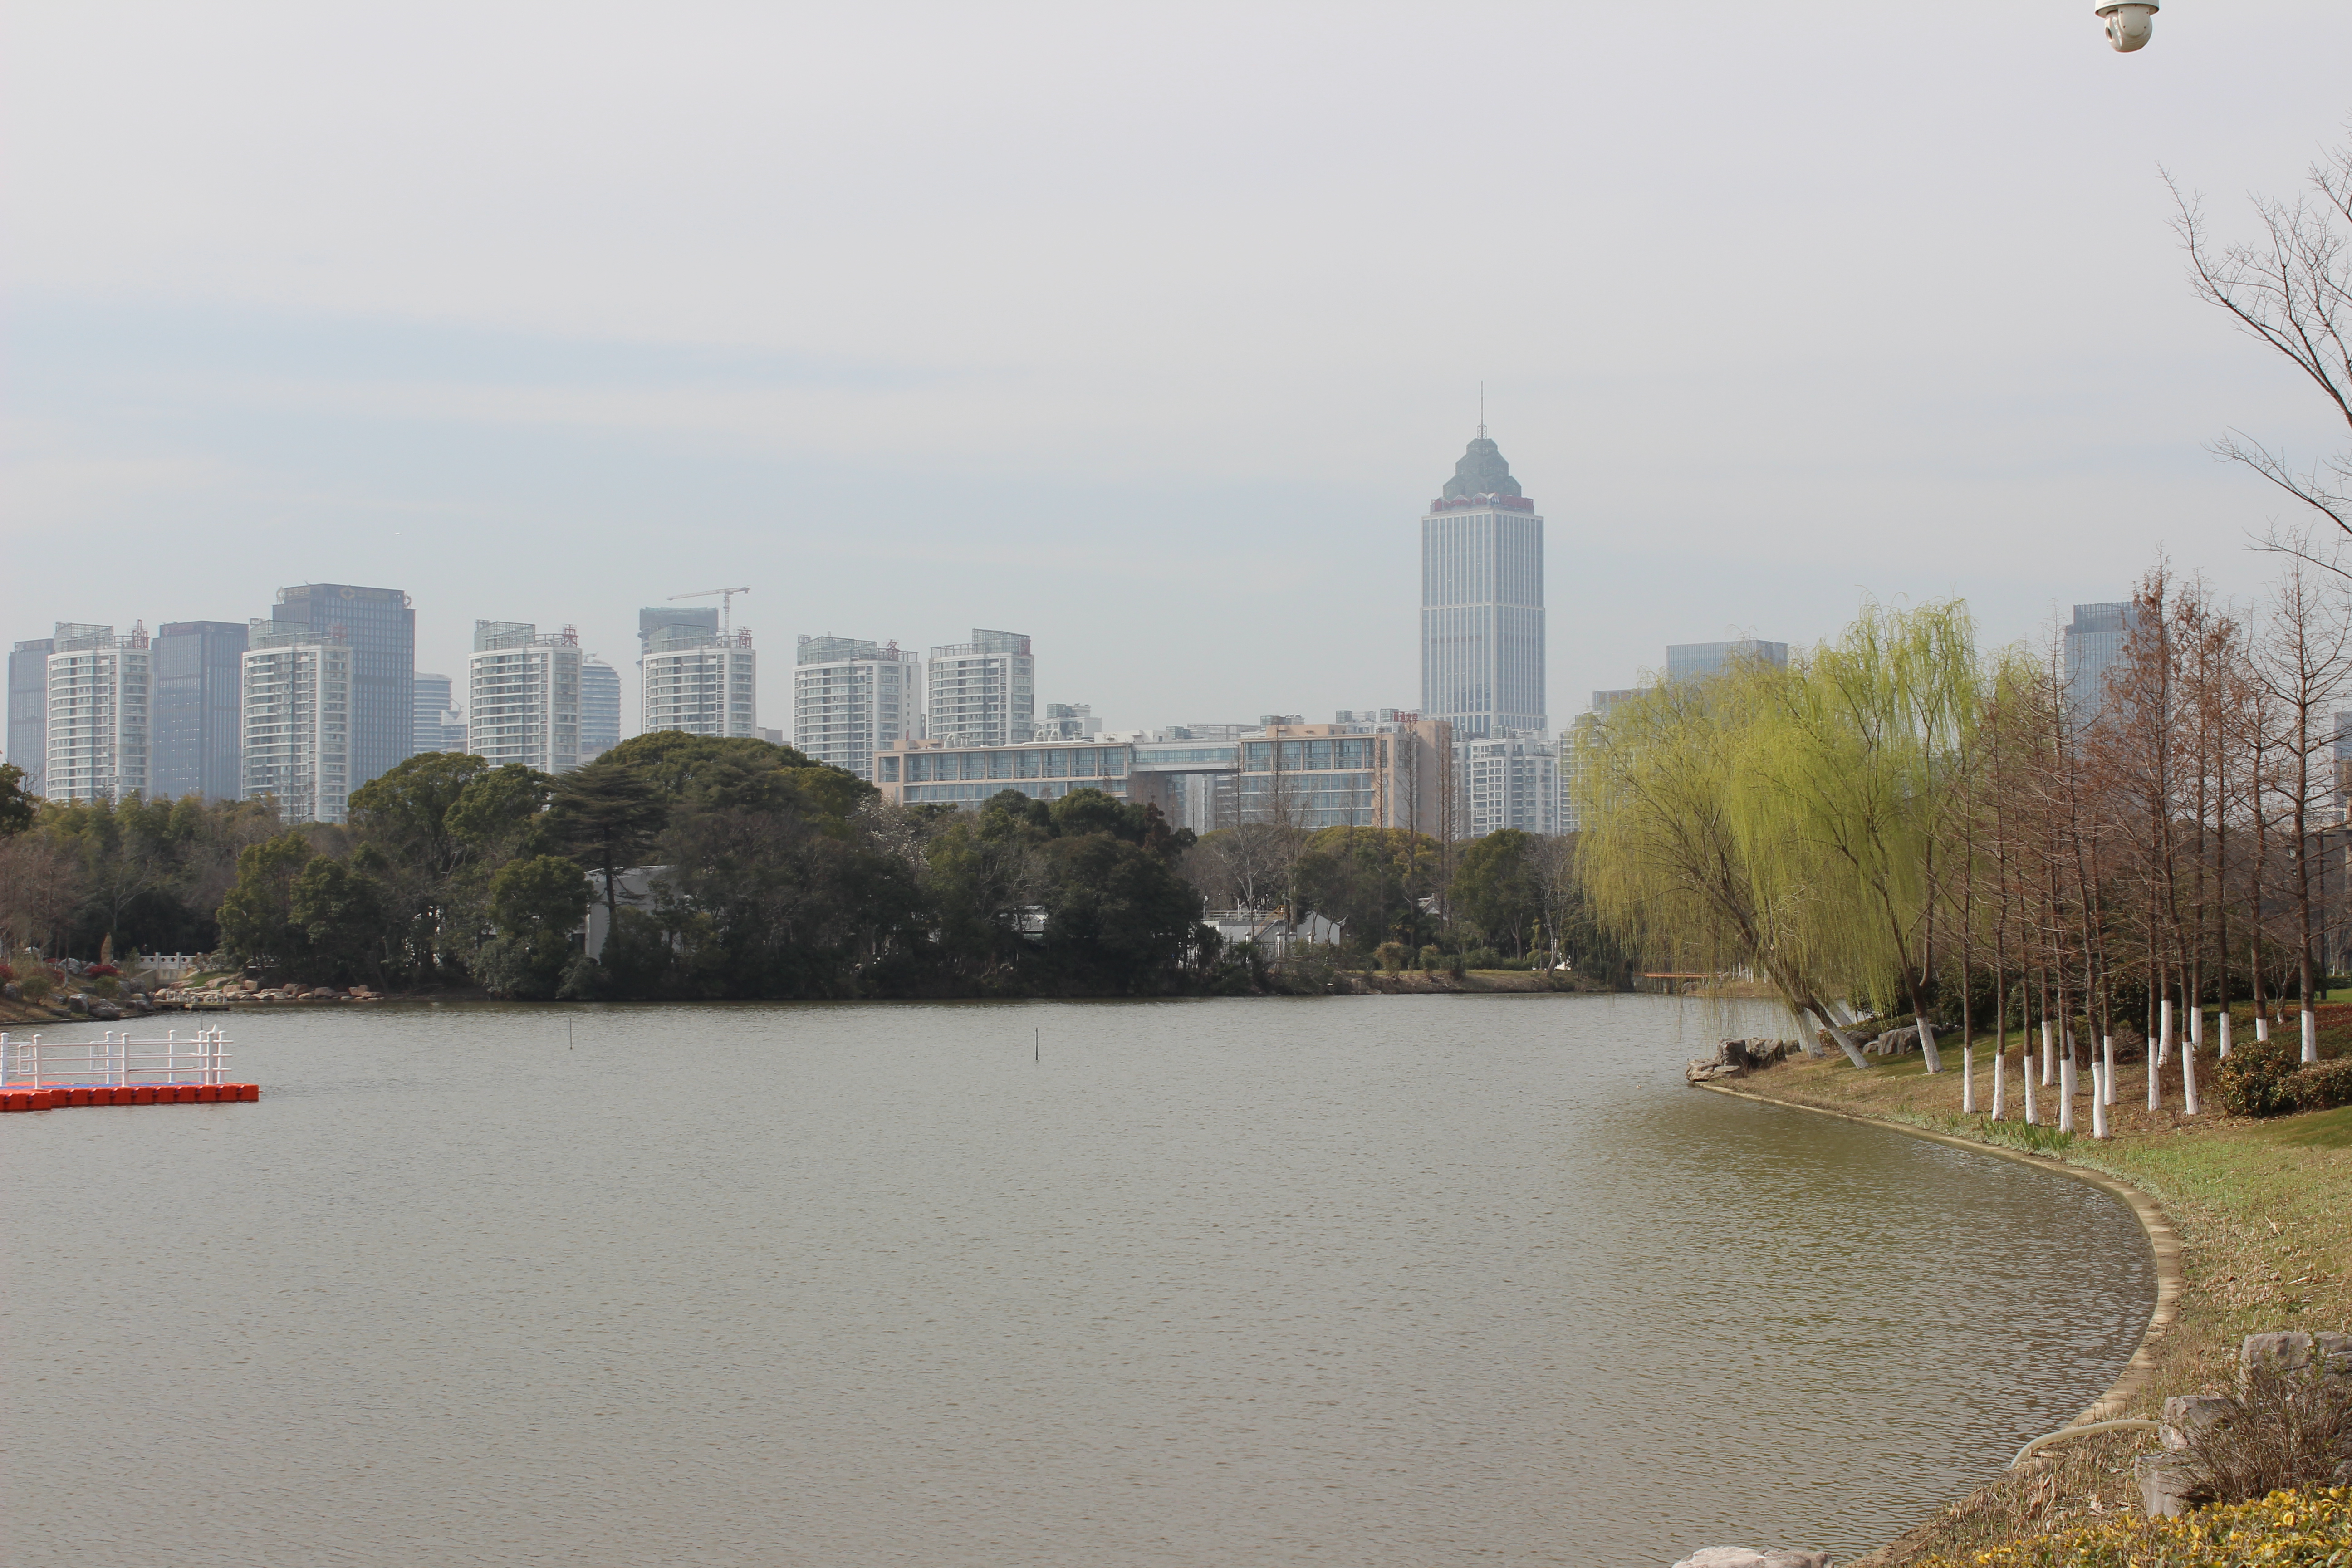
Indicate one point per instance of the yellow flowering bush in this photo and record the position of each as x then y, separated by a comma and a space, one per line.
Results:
2310, 1529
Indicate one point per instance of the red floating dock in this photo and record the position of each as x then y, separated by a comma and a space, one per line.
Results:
118, 1070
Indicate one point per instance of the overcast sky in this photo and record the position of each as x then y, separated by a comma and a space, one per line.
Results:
1148, 331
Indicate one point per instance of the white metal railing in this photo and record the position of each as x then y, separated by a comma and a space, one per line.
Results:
30, 1062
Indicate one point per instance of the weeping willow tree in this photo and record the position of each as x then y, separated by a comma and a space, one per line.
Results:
1794, 817
1848, 788
1669, 867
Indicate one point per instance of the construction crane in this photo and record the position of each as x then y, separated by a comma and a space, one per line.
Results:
725, 603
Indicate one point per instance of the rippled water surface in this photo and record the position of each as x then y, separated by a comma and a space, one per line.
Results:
1375, 1280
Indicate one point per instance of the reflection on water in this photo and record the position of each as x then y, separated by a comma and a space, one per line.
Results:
1355, 1280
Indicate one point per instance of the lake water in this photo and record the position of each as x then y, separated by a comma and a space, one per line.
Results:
1378, 1280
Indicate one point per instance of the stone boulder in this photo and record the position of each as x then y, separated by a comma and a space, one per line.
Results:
1899, 1042
2329, 1353
1743, 1557
2188, 1416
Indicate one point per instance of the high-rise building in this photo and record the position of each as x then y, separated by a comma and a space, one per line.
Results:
1481, 601
982, 692
600, 708
440, 723
704, 683
297, 701
851, 697
379, 629
2095, 643
1509, 781
100, 714
1697, 660
657, 621
28, 708
199, 671
522, 696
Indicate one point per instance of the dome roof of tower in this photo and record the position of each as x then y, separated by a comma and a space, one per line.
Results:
1481, 472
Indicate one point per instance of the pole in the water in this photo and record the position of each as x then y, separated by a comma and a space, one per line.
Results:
1037, 1045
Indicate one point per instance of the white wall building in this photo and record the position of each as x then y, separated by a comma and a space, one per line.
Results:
100, 704
1508, 781
702, 684
522, 696
600, 708
851, 697
982, 692
295, 721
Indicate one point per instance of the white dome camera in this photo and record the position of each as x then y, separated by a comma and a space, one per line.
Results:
2129, 23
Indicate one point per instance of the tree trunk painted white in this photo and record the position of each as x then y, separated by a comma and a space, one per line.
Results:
2262, 1028
2108, 1078
2000, 1058
2310, 1036
2155, 1084
1844, 1041
2066, 1092
2225, 1034
2188, 1082
1967, 1079
2026, 1076
2103, 1090
1927, 1047
2196, 1028
2164, 1033
2049, 1057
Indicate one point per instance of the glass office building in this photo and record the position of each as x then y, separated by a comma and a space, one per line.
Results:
199, 671
1481, 601
379, 628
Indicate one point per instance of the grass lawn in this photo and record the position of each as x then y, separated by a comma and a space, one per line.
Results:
2263, 1210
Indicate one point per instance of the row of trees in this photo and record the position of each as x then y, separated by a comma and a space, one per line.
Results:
1895, 821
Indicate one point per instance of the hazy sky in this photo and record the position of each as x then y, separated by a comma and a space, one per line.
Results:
1150, 332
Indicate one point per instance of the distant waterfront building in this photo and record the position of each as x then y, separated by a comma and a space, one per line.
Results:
600, 708
1066, 722
2094, 643
982, 692
1481, 601
1697, 660
198, 717
101, 704
1509, 781
440, 723
851, 697
522, 696
28, 708
297, 698
702, 682
379, 629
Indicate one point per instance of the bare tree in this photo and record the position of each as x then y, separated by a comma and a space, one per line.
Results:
2302, 665
2293, 291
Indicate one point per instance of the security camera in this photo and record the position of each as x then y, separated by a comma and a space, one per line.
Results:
2129, 23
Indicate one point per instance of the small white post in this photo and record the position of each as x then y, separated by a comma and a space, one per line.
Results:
2164, 1033
2102, 1089
2225, 1034
2188, 1082
2155, 1084
2108, 1078
2310, 1036
2066, 1092
1967, 1077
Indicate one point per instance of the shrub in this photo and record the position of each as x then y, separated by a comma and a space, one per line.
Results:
2254, 1081
1482, 958
1432, 958
32, 978
100, 972
2322, 1085
1391, 955
2284, 1530
2282, 1429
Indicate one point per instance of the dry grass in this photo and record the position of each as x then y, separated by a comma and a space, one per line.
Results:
2263, 1210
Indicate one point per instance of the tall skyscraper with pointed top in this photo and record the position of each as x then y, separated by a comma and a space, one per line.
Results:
1481, 601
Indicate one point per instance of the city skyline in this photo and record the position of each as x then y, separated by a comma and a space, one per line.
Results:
1047, 431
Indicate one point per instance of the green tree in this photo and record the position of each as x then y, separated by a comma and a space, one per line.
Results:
340, 911
537, 904
607, 816
16, 806
256, 918
1496, 889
